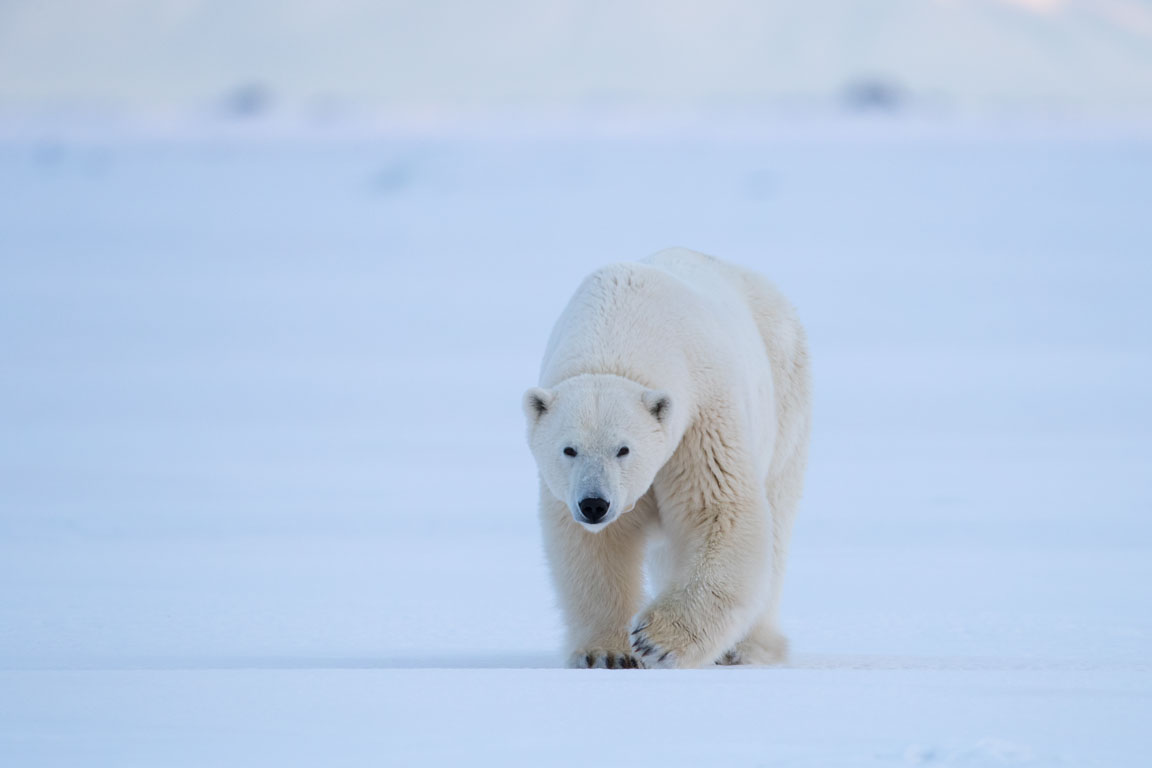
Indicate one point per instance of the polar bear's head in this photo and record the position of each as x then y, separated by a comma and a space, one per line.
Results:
599, 441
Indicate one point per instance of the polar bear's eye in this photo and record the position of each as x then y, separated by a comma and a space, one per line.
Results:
622, 452
569, 451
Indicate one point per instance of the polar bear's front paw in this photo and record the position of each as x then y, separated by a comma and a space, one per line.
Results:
599, 658
662, 639
652, 654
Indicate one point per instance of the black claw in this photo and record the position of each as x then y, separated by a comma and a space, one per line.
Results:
589, 660
610, 661
663, 656
639, 629
647, 650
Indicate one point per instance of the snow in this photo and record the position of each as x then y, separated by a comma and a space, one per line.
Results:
265, 499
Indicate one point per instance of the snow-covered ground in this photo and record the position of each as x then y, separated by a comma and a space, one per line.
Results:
264, 497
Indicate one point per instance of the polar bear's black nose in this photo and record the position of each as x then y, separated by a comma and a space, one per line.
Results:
593, 509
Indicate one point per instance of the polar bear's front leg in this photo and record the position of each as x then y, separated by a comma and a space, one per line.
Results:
716, 588
599, 580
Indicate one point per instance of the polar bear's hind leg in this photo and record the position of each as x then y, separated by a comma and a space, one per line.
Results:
787, 347
762, 647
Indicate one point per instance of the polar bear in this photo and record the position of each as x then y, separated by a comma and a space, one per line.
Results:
671, 421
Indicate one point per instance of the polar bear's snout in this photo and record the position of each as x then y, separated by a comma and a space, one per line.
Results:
593, 509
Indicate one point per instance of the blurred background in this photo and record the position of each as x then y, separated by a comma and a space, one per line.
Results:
274, 275
445, 58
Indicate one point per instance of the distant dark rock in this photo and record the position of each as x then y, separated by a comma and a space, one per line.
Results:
873, 94
248, 100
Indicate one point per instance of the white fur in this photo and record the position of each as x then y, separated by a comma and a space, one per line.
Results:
700, 369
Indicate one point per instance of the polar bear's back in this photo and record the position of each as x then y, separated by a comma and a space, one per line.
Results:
779, 334
653, 322
773, 314
676, 314
688, 264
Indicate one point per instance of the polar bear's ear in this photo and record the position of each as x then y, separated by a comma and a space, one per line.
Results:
537, 401
658, 403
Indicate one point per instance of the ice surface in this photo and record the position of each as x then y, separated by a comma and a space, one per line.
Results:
264, 496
